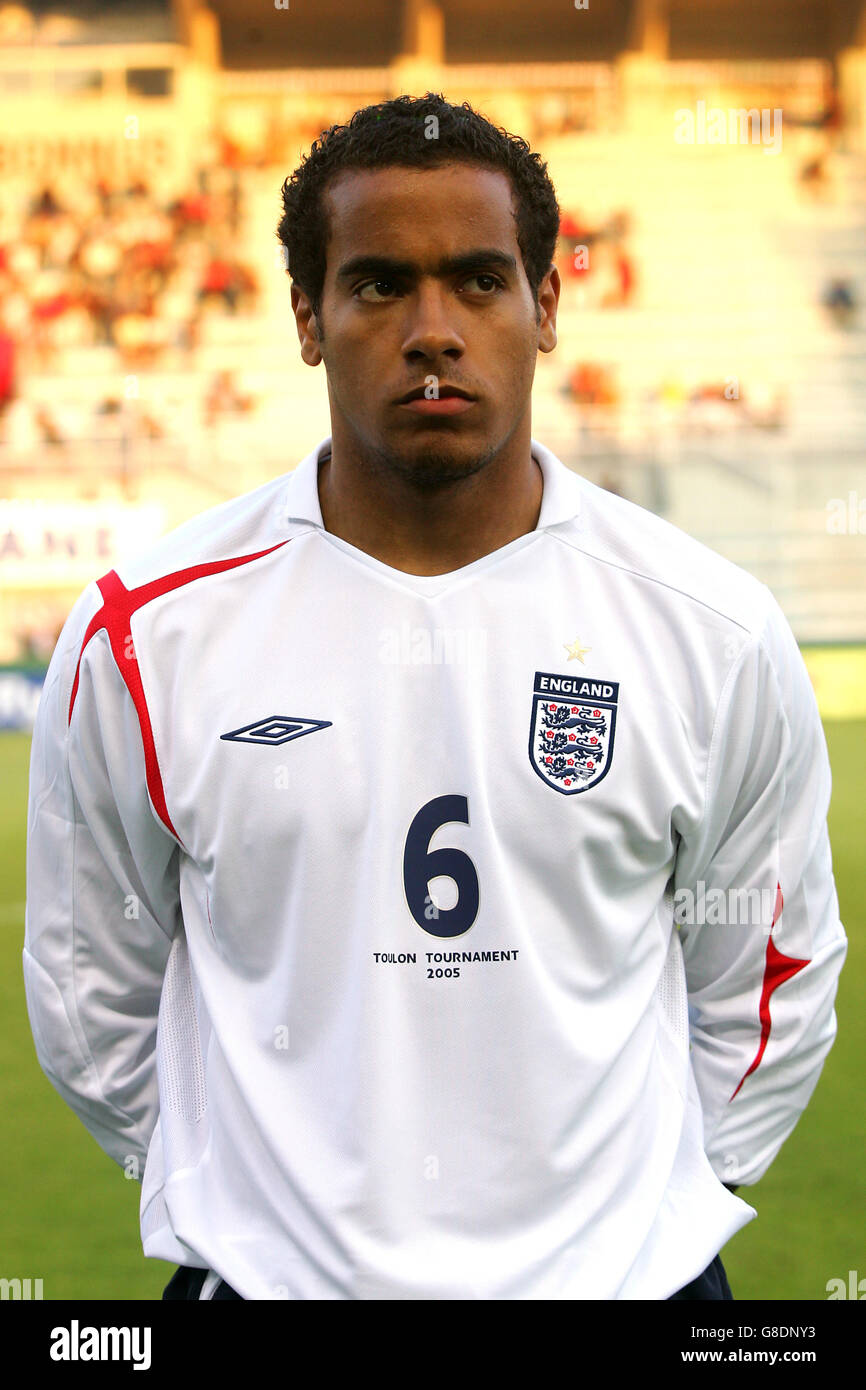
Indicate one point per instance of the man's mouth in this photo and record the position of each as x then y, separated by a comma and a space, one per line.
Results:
440, 400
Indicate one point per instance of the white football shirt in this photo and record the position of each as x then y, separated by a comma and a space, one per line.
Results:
354, 898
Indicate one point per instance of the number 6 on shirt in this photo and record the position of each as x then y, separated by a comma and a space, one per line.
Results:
420, 864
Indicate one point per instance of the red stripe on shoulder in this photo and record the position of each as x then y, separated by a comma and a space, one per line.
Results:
777, 970
118, 606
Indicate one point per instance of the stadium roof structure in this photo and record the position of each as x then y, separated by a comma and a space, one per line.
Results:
280, 34
333, 33
62, 23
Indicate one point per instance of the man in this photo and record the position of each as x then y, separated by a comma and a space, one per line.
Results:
366, 810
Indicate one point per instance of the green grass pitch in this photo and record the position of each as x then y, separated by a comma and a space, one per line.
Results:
70, 1217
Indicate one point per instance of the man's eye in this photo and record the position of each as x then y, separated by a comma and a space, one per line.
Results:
486, 283
373, 291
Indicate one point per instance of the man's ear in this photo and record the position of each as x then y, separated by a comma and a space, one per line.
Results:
308, 329
548, 300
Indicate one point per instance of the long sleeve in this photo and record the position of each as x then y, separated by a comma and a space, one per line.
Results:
757, 908
102, 896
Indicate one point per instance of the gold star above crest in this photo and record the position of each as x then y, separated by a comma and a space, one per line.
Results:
575, 651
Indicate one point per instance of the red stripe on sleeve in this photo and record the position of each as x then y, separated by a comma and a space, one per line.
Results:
777, 970
118, 606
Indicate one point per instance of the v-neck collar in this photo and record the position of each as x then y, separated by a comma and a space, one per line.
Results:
560, 502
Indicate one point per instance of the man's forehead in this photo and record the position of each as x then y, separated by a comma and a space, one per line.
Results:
393, 208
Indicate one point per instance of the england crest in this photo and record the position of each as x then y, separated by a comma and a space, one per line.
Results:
571, 730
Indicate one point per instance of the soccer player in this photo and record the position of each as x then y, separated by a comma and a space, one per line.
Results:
429, 888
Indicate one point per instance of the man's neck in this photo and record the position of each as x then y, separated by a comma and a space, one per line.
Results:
427, 533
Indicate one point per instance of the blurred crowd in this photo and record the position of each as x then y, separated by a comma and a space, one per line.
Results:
594, 257
117, 267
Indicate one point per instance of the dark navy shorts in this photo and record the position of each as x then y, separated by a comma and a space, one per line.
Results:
713, 1283
187, 1283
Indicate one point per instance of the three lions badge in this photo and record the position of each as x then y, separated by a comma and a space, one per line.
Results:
571, 730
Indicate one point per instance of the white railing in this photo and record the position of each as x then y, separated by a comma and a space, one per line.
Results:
771, 518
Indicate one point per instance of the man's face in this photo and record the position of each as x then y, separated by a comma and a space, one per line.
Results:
425, 290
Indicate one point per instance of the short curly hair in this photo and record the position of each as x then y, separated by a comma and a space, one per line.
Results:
400, 133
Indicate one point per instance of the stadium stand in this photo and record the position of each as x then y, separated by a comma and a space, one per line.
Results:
712, 349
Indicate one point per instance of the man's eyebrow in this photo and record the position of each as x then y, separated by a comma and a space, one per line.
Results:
449, 265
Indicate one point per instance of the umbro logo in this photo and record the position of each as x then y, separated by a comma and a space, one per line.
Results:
276, 729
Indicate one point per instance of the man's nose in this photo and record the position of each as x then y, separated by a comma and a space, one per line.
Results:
431, 326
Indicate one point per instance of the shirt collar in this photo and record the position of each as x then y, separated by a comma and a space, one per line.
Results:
560, 499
